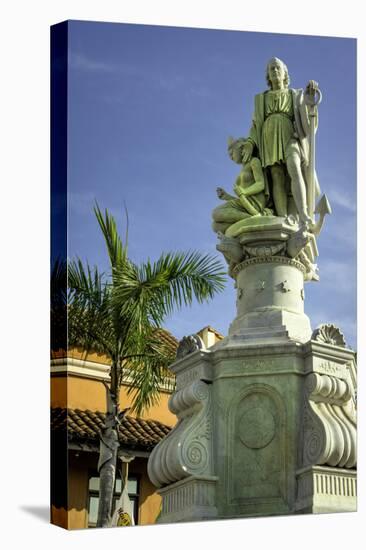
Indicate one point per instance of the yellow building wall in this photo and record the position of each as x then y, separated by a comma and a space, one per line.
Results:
77, 392
58, 391
149, 500
81, 466
78, 483
74, 392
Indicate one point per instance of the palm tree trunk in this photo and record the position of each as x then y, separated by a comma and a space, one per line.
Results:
107, 476
107, 464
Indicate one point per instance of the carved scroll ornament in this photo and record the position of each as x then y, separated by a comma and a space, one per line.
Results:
329, 422
186, 450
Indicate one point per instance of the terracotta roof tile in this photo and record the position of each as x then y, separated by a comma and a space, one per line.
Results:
170, 340
86, 425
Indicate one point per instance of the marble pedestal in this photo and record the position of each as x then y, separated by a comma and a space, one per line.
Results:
266, 417
262, 431
270, 300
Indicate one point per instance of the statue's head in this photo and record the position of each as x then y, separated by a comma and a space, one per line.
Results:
235, 149
278, 66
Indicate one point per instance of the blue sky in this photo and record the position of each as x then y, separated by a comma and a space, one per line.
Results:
150, 111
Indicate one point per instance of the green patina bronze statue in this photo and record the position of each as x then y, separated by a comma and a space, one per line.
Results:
273, 209
251, 191
278, 176
281, 134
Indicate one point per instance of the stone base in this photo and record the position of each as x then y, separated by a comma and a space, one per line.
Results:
256, 419
270, 298
191, 499
271, 324
324, 490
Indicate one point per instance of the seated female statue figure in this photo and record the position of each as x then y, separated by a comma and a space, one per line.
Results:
251, 192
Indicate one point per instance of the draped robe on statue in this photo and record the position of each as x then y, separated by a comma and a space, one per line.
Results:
281, 125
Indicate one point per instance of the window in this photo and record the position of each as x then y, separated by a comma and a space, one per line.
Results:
133, 493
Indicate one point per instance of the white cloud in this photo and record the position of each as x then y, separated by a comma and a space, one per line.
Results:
82, 62
343, 200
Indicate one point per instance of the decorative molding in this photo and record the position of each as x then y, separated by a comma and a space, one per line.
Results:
191, 499
230, 248
324, 489
329, 334
71, 366
269, 260
80, 367
331, 368
328, 481
264, 249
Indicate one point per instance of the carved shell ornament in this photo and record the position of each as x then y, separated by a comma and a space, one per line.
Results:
189, 344
329, 334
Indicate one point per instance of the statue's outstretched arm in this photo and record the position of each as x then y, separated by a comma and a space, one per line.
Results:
224, 195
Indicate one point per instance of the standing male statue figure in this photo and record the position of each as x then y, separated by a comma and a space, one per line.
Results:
280, 133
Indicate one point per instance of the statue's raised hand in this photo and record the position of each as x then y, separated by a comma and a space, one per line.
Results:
312, 87
220, 192
313, 95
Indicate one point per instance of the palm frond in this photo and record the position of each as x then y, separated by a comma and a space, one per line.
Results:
120, 316
117, 251
148, 371
89, 319
173, 281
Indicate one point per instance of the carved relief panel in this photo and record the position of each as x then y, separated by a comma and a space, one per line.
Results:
257, 452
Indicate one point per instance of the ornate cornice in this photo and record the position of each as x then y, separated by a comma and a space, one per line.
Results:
269, 260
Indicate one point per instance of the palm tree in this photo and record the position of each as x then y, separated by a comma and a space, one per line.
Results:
120, 316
